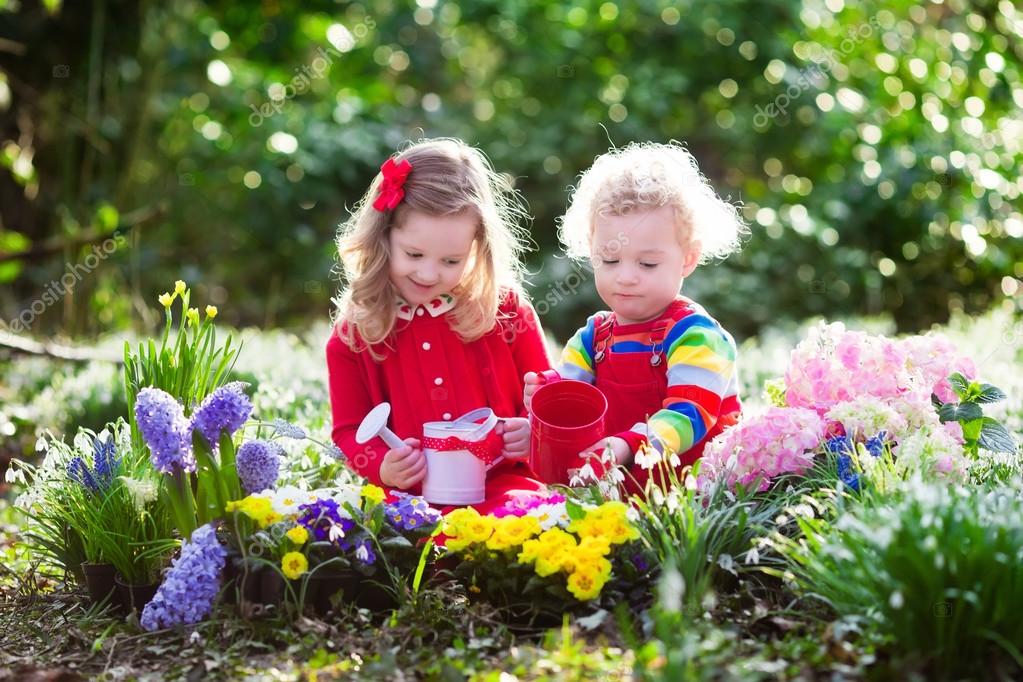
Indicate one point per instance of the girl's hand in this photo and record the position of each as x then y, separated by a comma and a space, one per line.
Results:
403, 467
515, 431
532, 381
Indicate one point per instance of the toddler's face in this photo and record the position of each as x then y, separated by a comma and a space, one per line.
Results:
638, 262
429, 253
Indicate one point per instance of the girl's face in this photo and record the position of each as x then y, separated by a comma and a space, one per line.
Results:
638, 262
429, 253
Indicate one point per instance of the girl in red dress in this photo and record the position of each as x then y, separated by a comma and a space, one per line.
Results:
433, 318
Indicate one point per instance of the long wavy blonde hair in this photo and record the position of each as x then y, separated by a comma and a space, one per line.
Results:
447, 177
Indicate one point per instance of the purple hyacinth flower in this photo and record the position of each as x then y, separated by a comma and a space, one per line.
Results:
226, 409
165, 430
259, 464
190, 586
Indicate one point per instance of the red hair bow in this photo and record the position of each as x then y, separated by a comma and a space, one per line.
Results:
392, 188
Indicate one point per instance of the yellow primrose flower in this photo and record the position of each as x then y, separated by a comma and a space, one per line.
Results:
454, 520
298, 535
267, 519
478, 529
619, 532
259, 509
594, 546
588, 526
530, 551
585, 584
556, 539
456, 544
294, 564
551, 561
512, 531
166, 299
373, 493
211, 311
613, 510
179, 287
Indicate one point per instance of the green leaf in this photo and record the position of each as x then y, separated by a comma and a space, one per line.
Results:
960, 412
995, 437
575, 512
959, 383
990, 394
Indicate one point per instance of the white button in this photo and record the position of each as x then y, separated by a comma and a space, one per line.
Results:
447, 415
419, 311
426, 345
438, 381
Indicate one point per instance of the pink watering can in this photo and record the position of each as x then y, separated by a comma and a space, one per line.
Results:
459, 453
566, 417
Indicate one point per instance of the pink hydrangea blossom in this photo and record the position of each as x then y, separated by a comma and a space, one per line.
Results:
932, 358
781, 440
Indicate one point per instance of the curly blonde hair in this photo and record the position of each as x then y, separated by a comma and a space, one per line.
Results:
650, 175
447, 177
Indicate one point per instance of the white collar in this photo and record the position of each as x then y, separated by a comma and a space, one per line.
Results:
437, 305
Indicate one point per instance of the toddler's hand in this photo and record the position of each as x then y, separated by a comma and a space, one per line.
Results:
619, 447
532, 382
515, 431
403, 467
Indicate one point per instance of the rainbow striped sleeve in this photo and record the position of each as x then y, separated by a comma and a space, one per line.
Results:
577, 358
701, 372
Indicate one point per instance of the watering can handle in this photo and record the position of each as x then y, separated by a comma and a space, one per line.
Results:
489, 422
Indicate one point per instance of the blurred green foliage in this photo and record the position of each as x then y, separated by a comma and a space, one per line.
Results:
876, 146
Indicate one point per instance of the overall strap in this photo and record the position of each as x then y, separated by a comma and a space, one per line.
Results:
602, 335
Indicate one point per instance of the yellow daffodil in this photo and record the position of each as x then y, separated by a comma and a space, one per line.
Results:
211, 311
372, 493
166, 299
298, 535
179, 287
192, 316
294, 564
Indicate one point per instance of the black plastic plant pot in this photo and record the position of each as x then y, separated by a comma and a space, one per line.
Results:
322, 585
99, 581
136, 596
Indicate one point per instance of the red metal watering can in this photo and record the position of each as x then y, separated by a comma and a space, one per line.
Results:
566, 417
